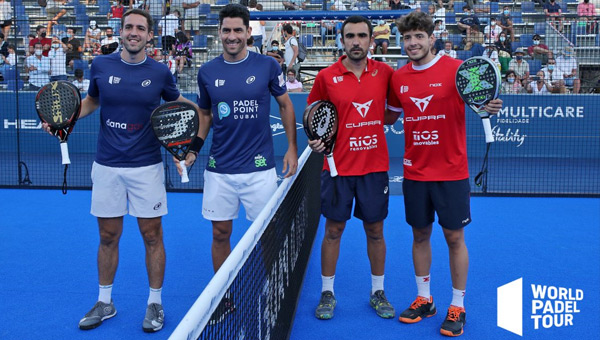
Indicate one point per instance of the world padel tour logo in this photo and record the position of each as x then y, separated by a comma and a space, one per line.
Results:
551, 306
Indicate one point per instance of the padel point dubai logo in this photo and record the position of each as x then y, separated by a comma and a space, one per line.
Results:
551, 306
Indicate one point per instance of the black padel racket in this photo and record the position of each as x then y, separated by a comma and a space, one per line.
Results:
321, 122
175, 124
478, 81
58, 104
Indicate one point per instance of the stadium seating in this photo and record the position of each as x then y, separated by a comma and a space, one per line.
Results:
463, 55
527, 7
307, 40
526, 40
13, 85
534, 66
200, 40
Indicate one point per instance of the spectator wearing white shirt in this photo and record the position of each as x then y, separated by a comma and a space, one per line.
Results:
554, 76
110, 44
539, 85
290, 55
448, 51
92, 37
5, 17
58, 60
167, 28
492, 31
81, 83
11, 59
567, 64
437, 13
338, 5
192, 13
38, 67
257, 26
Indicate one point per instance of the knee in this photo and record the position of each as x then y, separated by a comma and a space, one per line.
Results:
221, 235
455, 241
108, 238
333, 233
152, 237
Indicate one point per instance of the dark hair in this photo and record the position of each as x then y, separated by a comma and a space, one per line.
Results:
11, 46
509, 72
78, 73
181, 37
466, 7
274, 42
287, 28
291, 70
356, 19
141, 12
250, 41
235, 11
252, 3
37, 43
416, 21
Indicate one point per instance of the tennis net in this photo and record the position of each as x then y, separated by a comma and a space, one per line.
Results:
254, 293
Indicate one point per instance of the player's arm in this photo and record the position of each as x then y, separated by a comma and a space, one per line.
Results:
288, 118
391, 116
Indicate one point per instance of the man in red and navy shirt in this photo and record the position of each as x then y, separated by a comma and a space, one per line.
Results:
358, 87
436, 174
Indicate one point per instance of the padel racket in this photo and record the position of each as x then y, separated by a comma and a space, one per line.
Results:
176, 124
58, 104
478, 81
321, 122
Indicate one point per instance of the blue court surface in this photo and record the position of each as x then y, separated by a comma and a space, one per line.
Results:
48, 275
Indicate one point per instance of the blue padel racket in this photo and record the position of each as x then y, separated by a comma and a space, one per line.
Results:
478, 81
176, 124
320, 121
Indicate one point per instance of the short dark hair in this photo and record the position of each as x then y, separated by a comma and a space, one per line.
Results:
1, 35
274, 42
356, 19
141, 12
466, 7
78, 73
291, 70
509, 72
287, 28
416, 21
235, 11
11, 47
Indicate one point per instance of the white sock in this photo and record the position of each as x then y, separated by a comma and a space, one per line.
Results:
327, 283
104, 293
423, 283
376, 283
458, 297
155, 296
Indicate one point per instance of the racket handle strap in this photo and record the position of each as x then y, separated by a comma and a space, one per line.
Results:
64, 151
487, 128
184, 173
331, 163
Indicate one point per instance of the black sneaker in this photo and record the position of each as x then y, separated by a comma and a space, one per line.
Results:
419, 309
326, 306
381, 305
224, 308
455, 321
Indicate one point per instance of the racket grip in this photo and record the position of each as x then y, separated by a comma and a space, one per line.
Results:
331, 163
487, 128
184, 174
64, 152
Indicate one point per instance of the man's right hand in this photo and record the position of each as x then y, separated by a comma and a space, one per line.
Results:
316, 145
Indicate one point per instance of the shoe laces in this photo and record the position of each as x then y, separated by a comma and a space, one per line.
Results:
419, 301
326, 299
381, 297
454, 313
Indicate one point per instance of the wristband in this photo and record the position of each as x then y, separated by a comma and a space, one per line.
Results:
196, 145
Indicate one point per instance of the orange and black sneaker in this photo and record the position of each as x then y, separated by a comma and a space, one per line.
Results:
455, 321
419, 309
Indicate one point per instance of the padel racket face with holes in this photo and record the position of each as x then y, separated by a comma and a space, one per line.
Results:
478, 81
320, 121
176, 124
58, 104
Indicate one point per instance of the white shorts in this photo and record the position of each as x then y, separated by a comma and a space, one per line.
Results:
224, 192
142, 187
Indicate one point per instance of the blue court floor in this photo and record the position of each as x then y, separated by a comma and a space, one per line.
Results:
48, 275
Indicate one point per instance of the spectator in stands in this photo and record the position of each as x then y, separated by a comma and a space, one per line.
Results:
109, 44
511, 85
586, 12
491, 53
294, 5
448, 51
167, 28
396, 33
250, 46
11, 59
506, 22
504, 46
5, 17
81, 83
440, 43
3, 46
449, 2
360, 5
474, 37
291, 49
437, 13
520, 66
331, 28
177, 5
554, 76
38, 67
115, 14
275, 52
55, 10
192, 17
539, 85
41, 38
381, 35
554, 14
293, 84
92, 37
492, 31
152, 51
538, 50
58, 60
338, 5
468, 20
257, 26
156, 8
380, 5
183, 51
73, 46
438, 28
567, 64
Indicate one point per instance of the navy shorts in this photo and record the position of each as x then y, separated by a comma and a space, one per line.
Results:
449, 199
371, 192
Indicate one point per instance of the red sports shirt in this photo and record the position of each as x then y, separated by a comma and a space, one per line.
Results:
434, 120
360, 146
